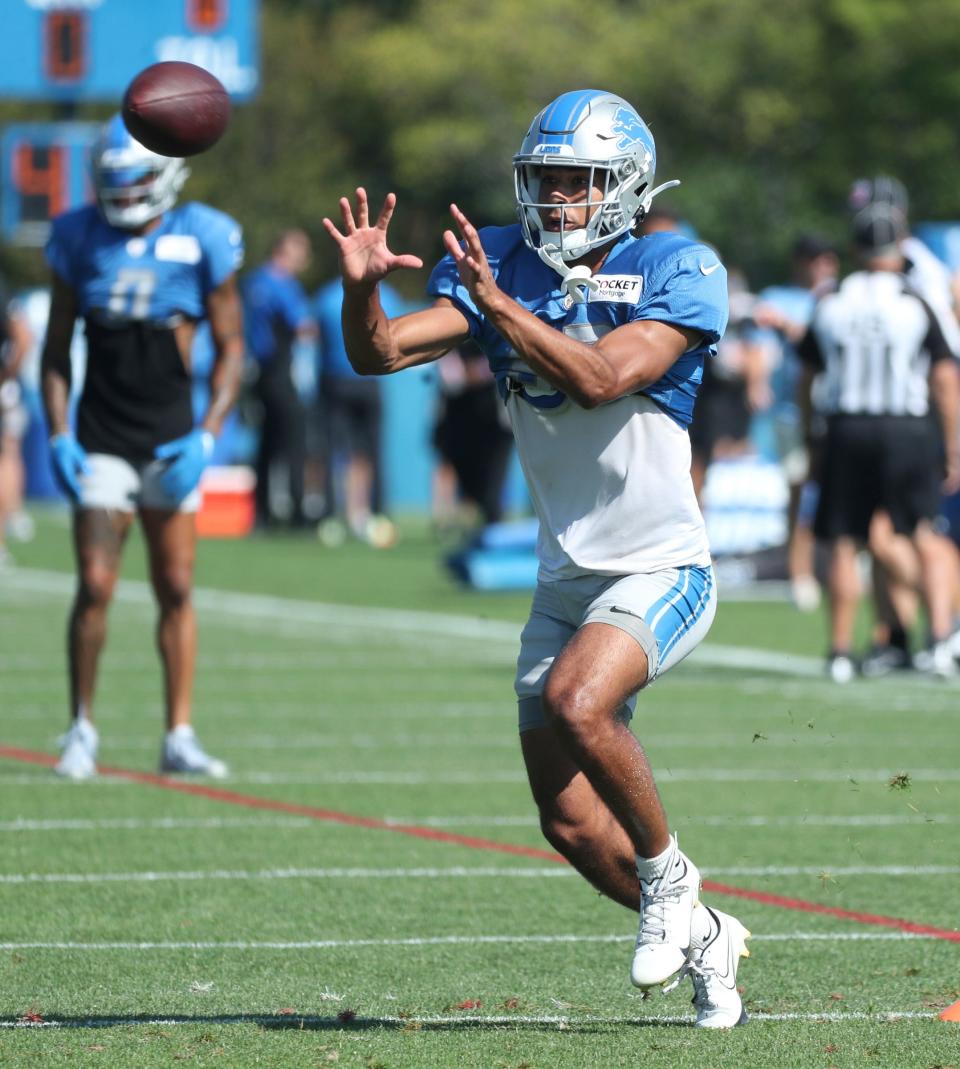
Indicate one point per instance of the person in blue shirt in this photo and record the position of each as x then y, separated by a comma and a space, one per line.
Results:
352, 414
597, 338
141, 272
276, 315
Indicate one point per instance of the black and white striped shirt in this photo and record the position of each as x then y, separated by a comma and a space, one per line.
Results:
875, 340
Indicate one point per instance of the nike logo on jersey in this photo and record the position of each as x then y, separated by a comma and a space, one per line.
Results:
617, 289
708, 270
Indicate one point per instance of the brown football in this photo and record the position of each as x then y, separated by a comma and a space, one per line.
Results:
176, 109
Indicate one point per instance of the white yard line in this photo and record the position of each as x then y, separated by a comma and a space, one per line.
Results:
825, 871
266, 609
153, 824
352, 873
441, 940
497, 638
500, 736
454, 1020
876, 820
383, 777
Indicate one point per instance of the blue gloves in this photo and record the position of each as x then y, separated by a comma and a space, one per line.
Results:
69, 460
187, 457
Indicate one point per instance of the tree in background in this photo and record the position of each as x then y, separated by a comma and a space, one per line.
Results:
765, 111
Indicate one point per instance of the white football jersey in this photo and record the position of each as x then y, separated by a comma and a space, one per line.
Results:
611, 487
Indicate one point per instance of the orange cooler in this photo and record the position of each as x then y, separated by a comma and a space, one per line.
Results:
227, 509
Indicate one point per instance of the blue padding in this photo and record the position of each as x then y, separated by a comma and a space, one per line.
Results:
495, 569
516, 535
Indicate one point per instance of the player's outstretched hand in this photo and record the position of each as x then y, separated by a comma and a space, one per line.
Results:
187, 457
364, 256
471, 261
69, 461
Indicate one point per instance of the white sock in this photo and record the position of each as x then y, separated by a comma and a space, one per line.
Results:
181, 731
649, 868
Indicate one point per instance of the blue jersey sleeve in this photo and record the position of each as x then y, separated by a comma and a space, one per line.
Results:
66, 237
445, 282
222, 241
500, 243
690, 291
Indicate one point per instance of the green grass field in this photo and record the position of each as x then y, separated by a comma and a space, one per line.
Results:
150, 927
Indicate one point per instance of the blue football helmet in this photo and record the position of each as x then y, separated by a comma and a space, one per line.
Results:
592, 129
133, 184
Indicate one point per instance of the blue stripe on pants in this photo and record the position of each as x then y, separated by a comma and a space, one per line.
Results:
672, 616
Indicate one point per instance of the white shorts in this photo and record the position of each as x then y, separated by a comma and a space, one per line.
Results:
116, 484
667, 612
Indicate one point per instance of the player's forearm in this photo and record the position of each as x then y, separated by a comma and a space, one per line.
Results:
583, 372
225, 313
55, 366
225, 379
55, 388
378, 345
370, 346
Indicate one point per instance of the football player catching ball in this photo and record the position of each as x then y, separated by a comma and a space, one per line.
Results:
597, 338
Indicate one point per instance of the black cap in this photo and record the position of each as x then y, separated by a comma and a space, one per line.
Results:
809, 246
879, 228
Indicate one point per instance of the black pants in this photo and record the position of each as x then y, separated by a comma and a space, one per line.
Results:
893, 463
472, 438
352, 413
282, 439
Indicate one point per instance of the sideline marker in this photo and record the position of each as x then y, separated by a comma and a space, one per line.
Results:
951, 1013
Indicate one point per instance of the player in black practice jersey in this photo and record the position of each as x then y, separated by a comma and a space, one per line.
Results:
141, 273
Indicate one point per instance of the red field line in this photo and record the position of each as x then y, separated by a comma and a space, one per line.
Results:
332, 816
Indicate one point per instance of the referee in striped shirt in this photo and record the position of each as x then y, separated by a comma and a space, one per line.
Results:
881, 359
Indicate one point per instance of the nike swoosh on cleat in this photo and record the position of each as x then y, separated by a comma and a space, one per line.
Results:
729, 978
708, 270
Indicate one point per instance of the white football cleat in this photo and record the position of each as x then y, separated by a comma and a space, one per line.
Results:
78, 759
713, 970
841, 668
942, 662
182, 752
666, 910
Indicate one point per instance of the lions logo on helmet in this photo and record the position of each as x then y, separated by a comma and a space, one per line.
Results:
631, 128
592, 129
133, 184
